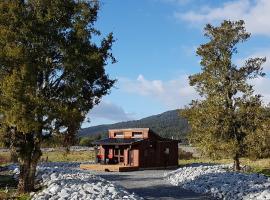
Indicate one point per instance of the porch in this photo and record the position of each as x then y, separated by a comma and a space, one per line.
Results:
118, 151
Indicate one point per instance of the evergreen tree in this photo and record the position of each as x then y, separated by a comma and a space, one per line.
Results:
51, 73
228, 111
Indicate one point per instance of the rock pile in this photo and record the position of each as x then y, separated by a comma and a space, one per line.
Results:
63, 181
221, 182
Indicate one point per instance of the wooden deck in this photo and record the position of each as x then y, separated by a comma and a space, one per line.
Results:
108, 168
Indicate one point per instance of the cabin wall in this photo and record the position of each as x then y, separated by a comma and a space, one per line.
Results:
158, 153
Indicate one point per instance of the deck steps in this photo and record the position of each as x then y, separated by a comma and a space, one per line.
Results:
109, 168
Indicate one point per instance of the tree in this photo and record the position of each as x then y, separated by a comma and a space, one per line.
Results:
228, 111
51, 73
258, 142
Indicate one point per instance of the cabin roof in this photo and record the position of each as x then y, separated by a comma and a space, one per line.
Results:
118, 141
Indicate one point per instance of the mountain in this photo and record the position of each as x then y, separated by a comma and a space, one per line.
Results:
168, 124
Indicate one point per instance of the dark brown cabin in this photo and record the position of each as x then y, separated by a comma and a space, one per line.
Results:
138, 147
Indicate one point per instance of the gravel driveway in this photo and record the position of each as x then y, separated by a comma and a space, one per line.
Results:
150, 184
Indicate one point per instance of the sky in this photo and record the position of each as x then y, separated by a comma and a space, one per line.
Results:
155, 48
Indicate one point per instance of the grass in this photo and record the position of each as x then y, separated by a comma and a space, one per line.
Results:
11, 194
257, 166
78, 156
56, 156
8, 188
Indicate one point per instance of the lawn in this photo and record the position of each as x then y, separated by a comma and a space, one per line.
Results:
56, 156
59, 156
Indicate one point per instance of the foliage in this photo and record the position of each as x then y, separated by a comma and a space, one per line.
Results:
228, 112
51, 74
167, 124
258, 142
88, 141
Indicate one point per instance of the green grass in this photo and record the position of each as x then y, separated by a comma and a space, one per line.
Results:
56, 156
12, 194
80, 156
257, 166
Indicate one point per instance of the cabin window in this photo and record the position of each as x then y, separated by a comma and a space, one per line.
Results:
167, 151
119, 134
137, 134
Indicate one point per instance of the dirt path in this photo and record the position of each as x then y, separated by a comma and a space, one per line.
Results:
150, 184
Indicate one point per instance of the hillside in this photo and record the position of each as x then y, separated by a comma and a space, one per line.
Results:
167, 124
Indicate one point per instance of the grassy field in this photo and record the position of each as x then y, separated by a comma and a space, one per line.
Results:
258, 166
58, 156
78, 156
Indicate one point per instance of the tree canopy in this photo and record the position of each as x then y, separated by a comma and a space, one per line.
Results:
228, 112
51, 73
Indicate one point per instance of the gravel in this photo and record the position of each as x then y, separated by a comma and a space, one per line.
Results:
221, 182
65, 181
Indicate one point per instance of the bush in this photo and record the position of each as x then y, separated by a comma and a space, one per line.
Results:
185, 155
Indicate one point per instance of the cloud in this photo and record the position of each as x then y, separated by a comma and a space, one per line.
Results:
110, 111
173, 93
261, 86
177, 93
255, 13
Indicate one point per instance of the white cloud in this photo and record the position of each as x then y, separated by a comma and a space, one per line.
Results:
255, 13
172, 93
261, 86
177, 93
110, 111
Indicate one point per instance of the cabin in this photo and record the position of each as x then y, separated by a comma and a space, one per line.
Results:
137, 148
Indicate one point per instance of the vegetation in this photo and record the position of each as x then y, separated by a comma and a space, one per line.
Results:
72, 156
88, 141
51, 74
229, 118
167, 124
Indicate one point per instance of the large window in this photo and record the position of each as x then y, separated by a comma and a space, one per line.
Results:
137, 134
119, 134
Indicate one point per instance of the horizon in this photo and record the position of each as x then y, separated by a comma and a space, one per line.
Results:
155, 47
129, 120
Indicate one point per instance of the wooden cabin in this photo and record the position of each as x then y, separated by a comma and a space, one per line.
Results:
137, 147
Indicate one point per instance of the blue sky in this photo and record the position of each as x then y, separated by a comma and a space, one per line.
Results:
155, 47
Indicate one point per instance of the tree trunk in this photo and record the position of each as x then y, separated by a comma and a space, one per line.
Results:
28, 172
24, 186
236, 163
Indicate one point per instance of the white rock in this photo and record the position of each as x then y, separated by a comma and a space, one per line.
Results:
220, 182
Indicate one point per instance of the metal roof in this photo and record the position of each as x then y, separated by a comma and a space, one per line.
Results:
118, 141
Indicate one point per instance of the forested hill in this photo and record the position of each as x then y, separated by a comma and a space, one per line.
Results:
168, 124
